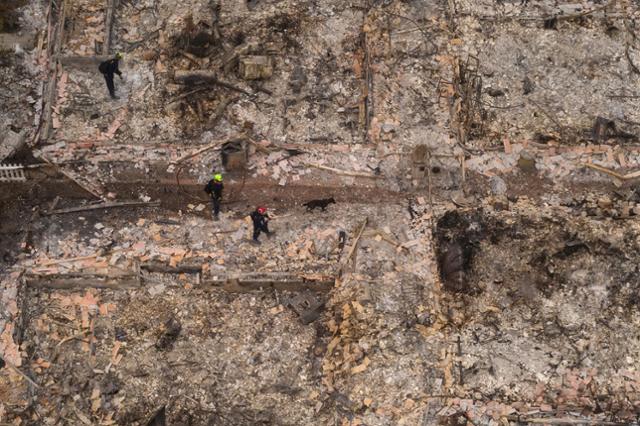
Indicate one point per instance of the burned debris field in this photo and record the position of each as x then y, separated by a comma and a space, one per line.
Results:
295, 212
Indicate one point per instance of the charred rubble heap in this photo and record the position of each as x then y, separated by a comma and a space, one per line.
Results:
469, 255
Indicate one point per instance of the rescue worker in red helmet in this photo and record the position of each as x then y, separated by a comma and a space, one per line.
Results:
260, 220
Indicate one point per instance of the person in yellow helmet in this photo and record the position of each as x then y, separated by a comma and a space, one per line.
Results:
108, 68
214, 189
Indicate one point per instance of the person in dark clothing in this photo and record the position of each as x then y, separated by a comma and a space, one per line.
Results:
108, 68
260, 220
214, 189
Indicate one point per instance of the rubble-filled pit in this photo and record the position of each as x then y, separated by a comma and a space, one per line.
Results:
548, 287
9, 22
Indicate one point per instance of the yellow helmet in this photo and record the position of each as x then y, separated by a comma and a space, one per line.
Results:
118, 55
217, 177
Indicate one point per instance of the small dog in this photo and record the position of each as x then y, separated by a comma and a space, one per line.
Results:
319, 204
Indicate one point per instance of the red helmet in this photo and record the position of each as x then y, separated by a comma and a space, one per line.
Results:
262, 210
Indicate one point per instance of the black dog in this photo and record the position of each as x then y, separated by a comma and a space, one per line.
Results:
319, 204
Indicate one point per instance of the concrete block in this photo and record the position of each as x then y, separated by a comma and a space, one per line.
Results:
256, 67
10, 143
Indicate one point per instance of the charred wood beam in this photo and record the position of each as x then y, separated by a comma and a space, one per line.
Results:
199, 151
53, 72
292, 282
168, 269
238, 283
103, 206
107, 26
83, 62
353, 248
220, 110
193, 77
59, 282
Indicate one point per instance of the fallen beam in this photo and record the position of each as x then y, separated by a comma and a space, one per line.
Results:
562, 421
28, 234
343, 172
51, 91
70, 176
68, 283
113, 273
613, 173
103, 206
168, 269
352, 249
107, 27
276, 281
192, 77
189, 94
74, 259
85, 62
17, 370
199, 151
385, 237
238, 283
